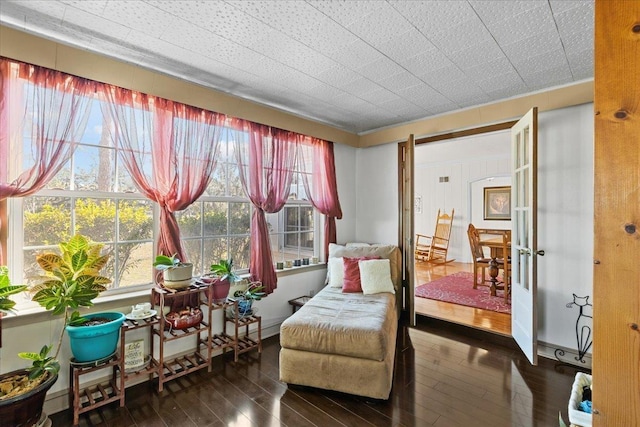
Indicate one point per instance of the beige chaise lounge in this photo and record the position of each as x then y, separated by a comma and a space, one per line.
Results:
344, 341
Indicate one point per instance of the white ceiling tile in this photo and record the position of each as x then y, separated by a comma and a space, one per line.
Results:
400, 81
139, 16
379, 26
380, 69
405, 45
338, 76
356, 54
442, 77
92, 6
576, 20
362, 85
433, 17
379, 96
357, 65
522, 26
345, 12
577, 42
426, 62
581, 59
546, 61
532, 46
460, 37
559, 6
497, 10
501, 81
476, 54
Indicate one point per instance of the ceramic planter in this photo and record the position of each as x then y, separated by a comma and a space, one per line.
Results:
244, 306
219, 289
179, 276
89, 343
24, 410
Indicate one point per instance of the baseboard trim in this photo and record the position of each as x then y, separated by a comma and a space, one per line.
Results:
564, 355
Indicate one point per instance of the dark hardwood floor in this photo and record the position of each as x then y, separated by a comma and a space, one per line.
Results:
445, 375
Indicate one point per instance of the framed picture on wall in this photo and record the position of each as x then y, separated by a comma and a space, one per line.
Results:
497, 203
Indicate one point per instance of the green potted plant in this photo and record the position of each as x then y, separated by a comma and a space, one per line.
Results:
221, 276
22, 392
71, 280
253, 292
175, 274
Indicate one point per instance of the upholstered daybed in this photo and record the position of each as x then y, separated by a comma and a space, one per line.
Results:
342, 339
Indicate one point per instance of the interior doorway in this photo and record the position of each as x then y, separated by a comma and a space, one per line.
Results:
451, 174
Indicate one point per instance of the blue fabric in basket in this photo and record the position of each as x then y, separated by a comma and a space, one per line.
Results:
585, 406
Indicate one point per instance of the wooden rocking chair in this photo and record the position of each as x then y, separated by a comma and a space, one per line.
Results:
434, 248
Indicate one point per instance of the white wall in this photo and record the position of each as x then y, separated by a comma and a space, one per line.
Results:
345, 158
377, 194
468, 162
565, 203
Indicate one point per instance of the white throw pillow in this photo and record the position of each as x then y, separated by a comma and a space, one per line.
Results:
375, 276
335, 268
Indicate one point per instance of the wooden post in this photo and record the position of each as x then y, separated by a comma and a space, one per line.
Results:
616, 302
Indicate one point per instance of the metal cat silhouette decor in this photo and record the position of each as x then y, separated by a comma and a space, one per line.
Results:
583, 326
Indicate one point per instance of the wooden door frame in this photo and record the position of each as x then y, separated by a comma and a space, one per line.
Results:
616, 275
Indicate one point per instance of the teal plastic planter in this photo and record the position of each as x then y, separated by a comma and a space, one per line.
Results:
89, 343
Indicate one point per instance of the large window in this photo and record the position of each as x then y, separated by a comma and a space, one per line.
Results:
93, 194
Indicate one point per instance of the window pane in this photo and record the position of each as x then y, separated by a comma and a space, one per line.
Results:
93, 168
189, 221
215, 218
218, 184
235, 185
135, 220
96, 219
135, 264
239, 218
239, 250
214, 251
193, 252
47, 220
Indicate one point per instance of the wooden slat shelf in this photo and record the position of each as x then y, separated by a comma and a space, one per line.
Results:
184, 365
222, 341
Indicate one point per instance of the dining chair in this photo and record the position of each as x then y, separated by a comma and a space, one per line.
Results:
480, 261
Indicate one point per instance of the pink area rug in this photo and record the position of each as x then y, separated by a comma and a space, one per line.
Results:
458, 289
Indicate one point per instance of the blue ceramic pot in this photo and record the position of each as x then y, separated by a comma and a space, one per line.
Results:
89, 343
244, 306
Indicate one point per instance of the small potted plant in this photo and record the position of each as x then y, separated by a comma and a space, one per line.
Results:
175, 274
254, 292
222, 275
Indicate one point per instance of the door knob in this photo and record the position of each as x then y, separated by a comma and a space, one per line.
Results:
541, 253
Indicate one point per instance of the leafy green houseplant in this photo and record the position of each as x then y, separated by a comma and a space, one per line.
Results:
254, 292
175, 274
71, 280
6, 290
22, 392
221, 277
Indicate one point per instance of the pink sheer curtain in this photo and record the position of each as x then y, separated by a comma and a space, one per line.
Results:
266, 164
44, 110
169, 149
318, 168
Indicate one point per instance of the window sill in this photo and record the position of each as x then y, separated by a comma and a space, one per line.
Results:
121, 299
302, 269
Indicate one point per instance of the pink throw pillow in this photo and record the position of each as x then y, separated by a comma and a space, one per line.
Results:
351, 282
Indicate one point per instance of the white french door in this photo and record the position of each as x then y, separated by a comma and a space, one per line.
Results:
524, 247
